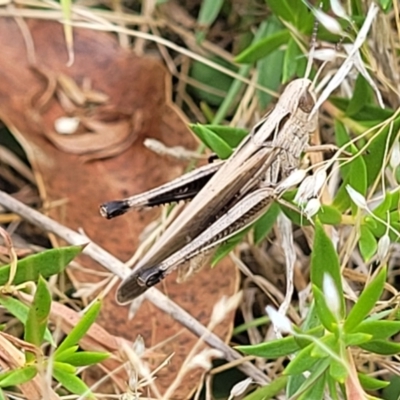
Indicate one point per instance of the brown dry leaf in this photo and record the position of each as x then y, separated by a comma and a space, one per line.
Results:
136, 89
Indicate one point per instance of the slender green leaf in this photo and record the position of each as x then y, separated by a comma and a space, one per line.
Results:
209, 76
383, 347
368, 244
264, 225
317, 372
281, 9
370, 383
38, 315
361, 96
355, 339
271, 349
302, 362
290, 60
324, 260
18, 376
365, 302
358, 178
231, 135
269, 391
80, 328
71, 382
213, 141
379, 329
374, 158
63, 356
269, 68
83, 358
338, 371
209, 11
315, 388
263, 47
44, 264
20, 311
228, 246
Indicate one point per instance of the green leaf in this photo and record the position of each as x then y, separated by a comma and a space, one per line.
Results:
281, 9
83, 358
342, 137
264, 225
368, 244
358, 178
209, 76
63, 356
317, 373
338, 371
325, 260
316, 386
231, 135
374, 158
269, 68
302, 362
367, 300
271, 349
329, 215
70, 381
369, 113
209, 11
44, 264
18, 376
38, 315
228, 246
80, 328
370, 383
361, 96
386, 5
213, 141
383, 347
342, 199
379, 329
324, 313
269, 391
355, 339
290, 60
20, 311
263, 47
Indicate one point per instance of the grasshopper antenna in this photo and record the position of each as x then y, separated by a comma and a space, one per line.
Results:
312, 49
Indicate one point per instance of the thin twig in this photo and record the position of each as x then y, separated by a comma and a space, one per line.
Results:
115, 266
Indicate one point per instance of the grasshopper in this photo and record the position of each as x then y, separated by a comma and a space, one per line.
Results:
226, 196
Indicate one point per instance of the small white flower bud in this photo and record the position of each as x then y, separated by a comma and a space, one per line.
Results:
383, 247
358, 199
292, 180
312, 207
328, 22
338, 9
240, 388
280, 322
325, 54
319, 180
395, 156
138, 346
66, 125
331, 294
305, 191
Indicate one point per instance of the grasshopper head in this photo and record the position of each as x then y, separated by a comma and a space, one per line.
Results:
299, 95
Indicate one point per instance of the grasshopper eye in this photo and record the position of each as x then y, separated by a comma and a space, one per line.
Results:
306, 102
